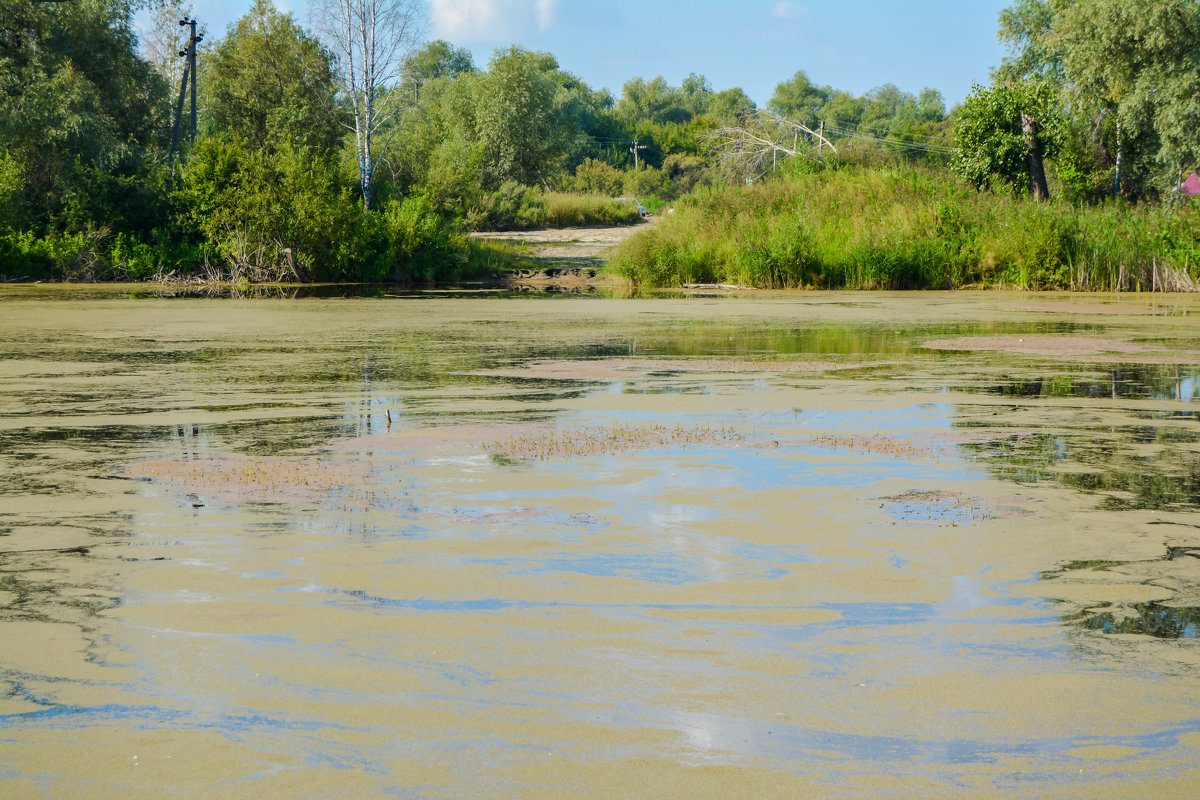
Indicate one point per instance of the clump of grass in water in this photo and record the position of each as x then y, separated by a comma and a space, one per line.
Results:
603, 440
939, 507
252, 479
876, 444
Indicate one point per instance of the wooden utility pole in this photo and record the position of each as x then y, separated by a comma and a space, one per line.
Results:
189, 72
634, 150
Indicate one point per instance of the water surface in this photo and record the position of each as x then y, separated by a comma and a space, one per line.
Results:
844, 545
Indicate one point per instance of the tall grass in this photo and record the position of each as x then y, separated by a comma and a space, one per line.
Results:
898, 226
513, 206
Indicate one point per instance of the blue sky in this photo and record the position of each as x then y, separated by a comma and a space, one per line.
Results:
850, 44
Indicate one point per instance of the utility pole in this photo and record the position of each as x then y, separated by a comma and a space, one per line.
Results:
634, 150
189, 71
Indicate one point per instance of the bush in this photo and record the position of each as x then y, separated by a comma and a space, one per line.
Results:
421, 245
597, 177
287, 215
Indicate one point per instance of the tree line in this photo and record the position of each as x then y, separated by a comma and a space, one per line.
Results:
314, 162
303, 169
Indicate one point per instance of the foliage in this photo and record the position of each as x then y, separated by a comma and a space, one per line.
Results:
253, 207
76, 102
438, 59
799, 99
1128, 79
268, 82
596, 177
993, 147
901, 226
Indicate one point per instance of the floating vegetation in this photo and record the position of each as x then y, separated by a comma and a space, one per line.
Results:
256, 480
609, 369
1069, 348
939, 508
593, 440
876, 444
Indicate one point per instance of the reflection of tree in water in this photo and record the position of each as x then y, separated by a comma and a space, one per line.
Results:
1169, 479
1150, 619
1150, 462
1125, 381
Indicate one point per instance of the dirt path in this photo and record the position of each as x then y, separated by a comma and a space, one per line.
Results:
565, 257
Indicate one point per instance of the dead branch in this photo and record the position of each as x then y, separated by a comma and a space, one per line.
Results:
761, 141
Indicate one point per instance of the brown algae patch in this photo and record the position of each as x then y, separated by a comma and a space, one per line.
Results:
874, 444
591, 440
612, 369
272, 480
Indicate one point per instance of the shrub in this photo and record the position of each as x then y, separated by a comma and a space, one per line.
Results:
597, 177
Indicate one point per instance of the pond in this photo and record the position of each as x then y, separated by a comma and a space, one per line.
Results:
806, 544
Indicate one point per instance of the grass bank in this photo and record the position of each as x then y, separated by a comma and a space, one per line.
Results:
899, 226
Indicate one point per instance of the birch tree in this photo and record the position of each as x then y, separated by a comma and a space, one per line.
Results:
372, 41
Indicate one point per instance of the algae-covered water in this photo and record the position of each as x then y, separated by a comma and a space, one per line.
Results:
794, 545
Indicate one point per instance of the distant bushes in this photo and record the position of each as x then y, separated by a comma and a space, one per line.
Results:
905, 227
514, 206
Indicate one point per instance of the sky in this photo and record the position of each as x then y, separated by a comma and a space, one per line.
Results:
853, 45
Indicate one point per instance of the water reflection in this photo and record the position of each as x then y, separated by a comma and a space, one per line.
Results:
1148, 619
1129, 381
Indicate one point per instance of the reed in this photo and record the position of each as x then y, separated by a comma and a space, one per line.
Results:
875, 444
901, 226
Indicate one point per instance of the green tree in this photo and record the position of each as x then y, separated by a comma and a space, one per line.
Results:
695, 93
1139, 60
799, 99
517, 119
268, 82
730, 104
1003, 133
843, 111
654, 100
80, 113
274, 215
882, 104
438, 59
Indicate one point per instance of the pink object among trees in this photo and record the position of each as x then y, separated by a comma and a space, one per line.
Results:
1191, 186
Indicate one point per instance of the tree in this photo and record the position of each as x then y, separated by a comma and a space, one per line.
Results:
517, 124
883, 103
438, 59
799, 99
1026, 28
842, 111
730, 104
373, 41
269, 82
80, 112
1004, 133
654, 100
1139, 61
695, 93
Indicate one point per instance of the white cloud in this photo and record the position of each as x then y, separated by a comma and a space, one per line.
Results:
788, 10
465, 21
545, 11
